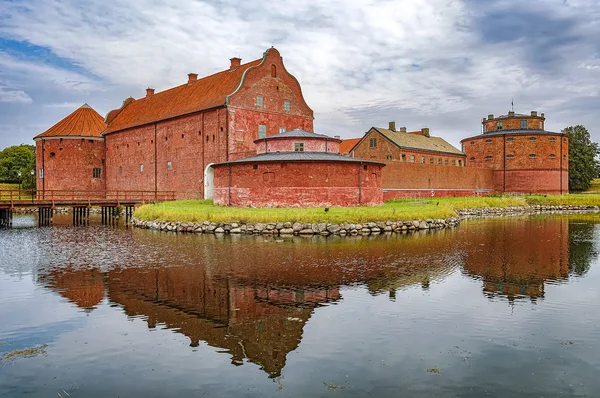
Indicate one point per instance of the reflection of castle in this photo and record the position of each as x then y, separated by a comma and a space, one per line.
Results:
255, 323
515, 258
83, 287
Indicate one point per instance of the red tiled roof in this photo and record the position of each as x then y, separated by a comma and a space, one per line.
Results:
205, 93
83, 122
347, 145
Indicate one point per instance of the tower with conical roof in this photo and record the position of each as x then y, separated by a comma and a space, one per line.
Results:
70, 154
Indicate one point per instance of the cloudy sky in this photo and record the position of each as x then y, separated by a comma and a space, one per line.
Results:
442, 64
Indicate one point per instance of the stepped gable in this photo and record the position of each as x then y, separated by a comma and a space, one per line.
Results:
414, 140
193, 96
83, 122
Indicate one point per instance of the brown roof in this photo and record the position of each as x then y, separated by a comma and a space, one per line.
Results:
83, 122
205, 93
417, 141
347, 145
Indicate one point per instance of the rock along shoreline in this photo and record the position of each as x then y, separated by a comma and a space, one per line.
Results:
353, 229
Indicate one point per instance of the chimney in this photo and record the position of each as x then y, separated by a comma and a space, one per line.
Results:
403, 129
425, 131
149, 92
484, 120
542, 115
392, 126
491, 116
235, 62
511, 113
192, 77
533, 113
337, 137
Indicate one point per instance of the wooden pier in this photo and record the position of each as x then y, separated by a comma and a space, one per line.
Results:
110, 203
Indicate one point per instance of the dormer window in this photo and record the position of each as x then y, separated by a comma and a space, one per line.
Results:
498, 125
260, 102
523, 124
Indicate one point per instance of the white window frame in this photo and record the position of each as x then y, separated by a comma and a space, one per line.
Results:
262, 131
287, 106
260, 101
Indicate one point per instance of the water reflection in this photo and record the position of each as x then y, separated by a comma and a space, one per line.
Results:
251, 297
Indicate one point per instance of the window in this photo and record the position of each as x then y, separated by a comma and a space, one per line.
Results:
169, 166
510, 139
273, 71
439, 160
365, 167
373, 143
281, 130
488, 141
523, 124
552, 156
120, 169
460, 162
388, 157
262, 131
182, 136
287, 106
260, 101
541, 125
488, 158
96, 172
403, 157
52, 154
472, 142
510, 156
499, 126
42, 171
446, 162
422, 159
91, 141
412, 158
255, 166
141, 168
532, 156
552, 139
431, 160
531, 138
564, 140
299, 146
206, 138
453, 162
472, 159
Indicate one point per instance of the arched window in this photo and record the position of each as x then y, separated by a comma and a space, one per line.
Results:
273, 71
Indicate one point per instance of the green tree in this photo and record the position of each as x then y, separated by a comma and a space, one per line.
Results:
15, 160
583, 164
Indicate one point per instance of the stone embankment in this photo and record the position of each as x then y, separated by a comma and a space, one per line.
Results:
369, 228
288, 228
523, 210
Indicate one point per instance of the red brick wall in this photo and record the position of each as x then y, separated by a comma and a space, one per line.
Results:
386, 148
71, 167
287, 145
402, 180
514, 123
298, 184
243, 124
540, 174
245, 116
190, 143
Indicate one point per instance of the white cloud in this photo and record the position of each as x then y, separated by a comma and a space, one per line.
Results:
20, 96
360, 62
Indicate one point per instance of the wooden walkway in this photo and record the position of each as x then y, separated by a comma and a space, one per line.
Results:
79, 201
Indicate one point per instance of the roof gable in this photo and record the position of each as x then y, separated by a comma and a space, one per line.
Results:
208, 92
418, 142
83, 122
347, 145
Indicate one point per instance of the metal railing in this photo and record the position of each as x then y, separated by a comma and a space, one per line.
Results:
52, 197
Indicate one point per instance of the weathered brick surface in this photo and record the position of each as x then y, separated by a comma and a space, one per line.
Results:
191, 142
287, 145
68, 163
522, 162
298, 184
514, 123
386, 148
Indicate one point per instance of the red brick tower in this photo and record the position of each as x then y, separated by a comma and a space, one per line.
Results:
525, 157
70, 154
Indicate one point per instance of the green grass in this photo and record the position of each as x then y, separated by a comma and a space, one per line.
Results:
13, 187
594, 187
201, 210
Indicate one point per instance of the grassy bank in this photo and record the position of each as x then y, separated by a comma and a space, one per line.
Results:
199, 210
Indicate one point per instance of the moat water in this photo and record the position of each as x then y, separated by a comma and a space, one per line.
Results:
502, 308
